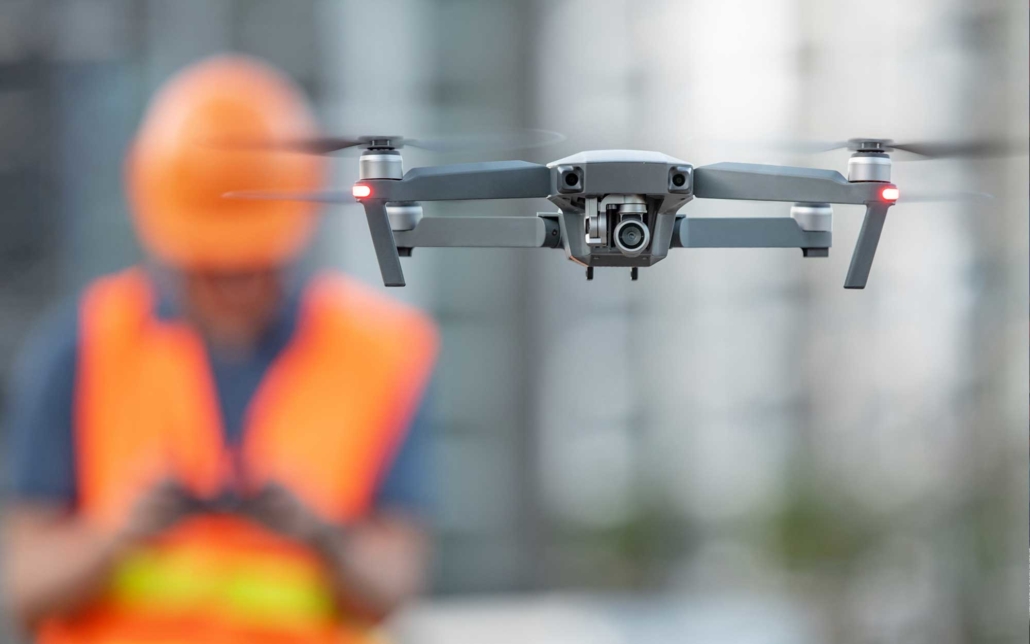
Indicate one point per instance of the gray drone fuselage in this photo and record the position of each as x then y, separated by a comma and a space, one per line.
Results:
619, 207
607, 197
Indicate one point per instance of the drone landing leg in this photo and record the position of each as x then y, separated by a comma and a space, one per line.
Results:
865, 247
382, 240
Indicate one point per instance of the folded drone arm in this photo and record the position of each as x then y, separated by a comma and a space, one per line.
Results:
749, 232
490, 180
541, 231
802, 185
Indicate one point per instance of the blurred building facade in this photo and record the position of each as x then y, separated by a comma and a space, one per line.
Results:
734, 422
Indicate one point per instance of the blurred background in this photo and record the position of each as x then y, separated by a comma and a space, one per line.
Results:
733, 448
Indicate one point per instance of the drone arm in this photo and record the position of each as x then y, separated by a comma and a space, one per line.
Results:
779, 183
803, 185
491, 180
482, 232
747, 232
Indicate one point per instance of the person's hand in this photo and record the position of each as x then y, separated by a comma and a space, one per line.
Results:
374, 563
283, 512
156, 510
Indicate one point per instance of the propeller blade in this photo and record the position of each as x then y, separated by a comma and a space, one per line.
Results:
821, 146
496, 141
328, 196
973, 149
320, 145
315, 145
783, 146
490, 142
969, 149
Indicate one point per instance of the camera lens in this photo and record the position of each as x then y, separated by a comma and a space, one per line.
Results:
679, 179
631, 236
569, 179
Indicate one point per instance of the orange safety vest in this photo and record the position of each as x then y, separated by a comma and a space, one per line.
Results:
324, 422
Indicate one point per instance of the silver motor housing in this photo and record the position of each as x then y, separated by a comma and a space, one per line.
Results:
381, 164
869, 167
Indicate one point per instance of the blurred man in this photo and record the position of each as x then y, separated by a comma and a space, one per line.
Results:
214, 448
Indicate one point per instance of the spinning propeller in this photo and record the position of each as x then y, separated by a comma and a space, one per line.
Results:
488, 142
926, 150
380, 157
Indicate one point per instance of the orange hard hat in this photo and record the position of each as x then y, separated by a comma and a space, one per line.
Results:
206, 133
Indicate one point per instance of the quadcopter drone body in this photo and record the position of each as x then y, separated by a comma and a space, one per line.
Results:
618, 208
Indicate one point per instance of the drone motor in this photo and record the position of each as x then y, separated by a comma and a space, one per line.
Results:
869, 160
404, 215
381, 163
813, 217
869, 166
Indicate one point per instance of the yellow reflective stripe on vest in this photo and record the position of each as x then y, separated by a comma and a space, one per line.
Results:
251, 590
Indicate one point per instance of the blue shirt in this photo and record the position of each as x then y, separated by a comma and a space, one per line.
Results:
42, 446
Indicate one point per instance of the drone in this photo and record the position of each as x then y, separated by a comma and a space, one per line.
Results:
616, 208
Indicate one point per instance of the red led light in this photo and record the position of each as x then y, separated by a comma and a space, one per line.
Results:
360, 191
890, 194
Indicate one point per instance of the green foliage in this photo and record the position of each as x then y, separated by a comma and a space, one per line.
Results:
814, 530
